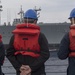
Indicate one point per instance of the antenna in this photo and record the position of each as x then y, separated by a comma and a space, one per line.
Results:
0, 11
37, 11
21, 13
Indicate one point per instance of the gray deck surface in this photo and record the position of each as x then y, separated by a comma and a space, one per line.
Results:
54, 66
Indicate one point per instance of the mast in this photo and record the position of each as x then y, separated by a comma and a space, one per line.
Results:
38, 13
0, 11
21, 13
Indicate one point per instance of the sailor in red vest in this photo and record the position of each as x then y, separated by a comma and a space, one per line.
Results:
67, 46
2, 55
28, 48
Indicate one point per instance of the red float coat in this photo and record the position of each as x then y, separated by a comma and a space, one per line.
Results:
72, 40
26, 40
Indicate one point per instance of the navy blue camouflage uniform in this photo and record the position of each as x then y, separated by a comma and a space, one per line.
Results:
2, 55
63, 53
37, 65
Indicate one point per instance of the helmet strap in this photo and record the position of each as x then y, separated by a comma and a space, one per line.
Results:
73, 21
27, 21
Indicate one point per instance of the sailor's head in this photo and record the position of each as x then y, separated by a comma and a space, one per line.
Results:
72, 17
30, 16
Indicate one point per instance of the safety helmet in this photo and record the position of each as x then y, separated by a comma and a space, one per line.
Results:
30, 14
72, 14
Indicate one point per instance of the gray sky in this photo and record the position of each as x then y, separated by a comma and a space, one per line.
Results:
52, 10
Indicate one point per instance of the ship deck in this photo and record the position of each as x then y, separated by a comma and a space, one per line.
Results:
54, 66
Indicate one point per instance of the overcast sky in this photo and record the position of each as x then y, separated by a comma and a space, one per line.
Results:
52, 11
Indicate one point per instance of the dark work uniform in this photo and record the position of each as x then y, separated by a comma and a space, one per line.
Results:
63, 53
36, 64
2, 55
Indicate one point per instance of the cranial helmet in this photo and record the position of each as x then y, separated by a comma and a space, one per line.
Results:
72, 14
30, 14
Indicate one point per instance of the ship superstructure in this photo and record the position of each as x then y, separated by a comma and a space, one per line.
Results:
53, 31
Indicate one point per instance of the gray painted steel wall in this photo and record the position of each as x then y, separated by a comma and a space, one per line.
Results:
53, 32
